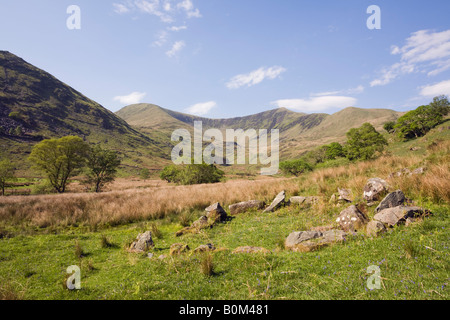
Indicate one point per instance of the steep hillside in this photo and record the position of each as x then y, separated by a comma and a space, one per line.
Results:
34, 105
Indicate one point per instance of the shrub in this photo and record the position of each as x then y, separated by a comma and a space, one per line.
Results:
192, 174
364, 142
295, 167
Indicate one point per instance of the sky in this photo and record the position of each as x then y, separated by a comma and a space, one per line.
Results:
230, 58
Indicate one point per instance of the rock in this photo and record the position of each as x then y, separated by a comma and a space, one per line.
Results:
216, 213
333, 199
404, 171
202, 223
352, 219
393, 199
178, 248
150, 255
375, 189
246, 206
397, 215
248, 249
304, 200
345, 194
414, 148
374, 228
143, 243
162, 257
204, 248
410, 221
277, 202
322, 228
306, 241
420, 170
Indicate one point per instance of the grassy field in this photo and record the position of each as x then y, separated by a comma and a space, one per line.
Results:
41, 236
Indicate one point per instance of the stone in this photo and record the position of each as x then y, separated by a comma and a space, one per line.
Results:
307, 241
249, 249
333, 199
345, 195
178, 248
397, 215
143, 243
352, 219
150, 255
162, 257
414, 148
246, 206
204, 248
374, 228
216, 212
404, 171
393, 199
304, 200
202, 223
420, 170
375, 189
277, 202
409, 221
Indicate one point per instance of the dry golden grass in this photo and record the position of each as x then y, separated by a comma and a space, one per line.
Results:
156, 199
120, 207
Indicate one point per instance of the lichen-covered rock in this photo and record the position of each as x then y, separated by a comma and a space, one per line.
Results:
397, 215
393, 199
345, 195
143, 243
375, 189
204, 248
352, 219
306, 241
304, 200
277, 202
246, 206
374, 228
216, 213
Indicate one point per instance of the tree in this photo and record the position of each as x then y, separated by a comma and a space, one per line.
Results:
418, 122
144, 174
102, 166
18, 131
389, 126
334, 150
192, 174
6, 174
295, 167
59, 159
364, 142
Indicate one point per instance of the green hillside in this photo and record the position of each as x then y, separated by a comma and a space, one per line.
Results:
43, 107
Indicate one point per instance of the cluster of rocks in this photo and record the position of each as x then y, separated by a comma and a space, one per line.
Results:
394, 209
408, 172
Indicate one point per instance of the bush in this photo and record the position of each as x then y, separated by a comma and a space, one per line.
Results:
295, 167
192, 174
364, 142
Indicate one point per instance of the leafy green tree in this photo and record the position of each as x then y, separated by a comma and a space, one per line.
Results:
192, 174
364, 142
6, 174
334, 150
59, 159
389, 126
102, 166
295, 167
144, 174
418, 122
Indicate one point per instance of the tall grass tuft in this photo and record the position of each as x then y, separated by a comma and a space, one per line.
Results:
207, 265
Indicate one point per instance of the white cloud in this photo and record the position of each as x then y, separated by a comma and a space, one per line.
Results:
316, 104
188, 6
161, 39
441, 88
160, 8
176, 29
120, 8
132, 98
177, 46
255, 77
359, 89
201, 109
424, 51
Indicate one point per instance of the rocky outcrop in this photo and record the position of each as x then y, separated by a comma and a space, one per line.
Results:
352, 219
204, 248
375, 228
306, 241
216, 213
375, 189
345, 195
393, 199
143, 243
246, 206
398, 215
278, 202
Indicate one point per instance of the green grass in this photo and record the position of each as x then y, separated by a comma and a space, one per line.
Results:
414, 262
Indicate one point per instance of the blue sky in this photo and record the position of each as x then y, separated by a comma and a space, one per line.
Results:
227, 58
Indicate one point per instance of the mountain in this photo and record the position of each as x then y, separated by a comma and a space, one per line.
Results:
299, 132
34, 105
